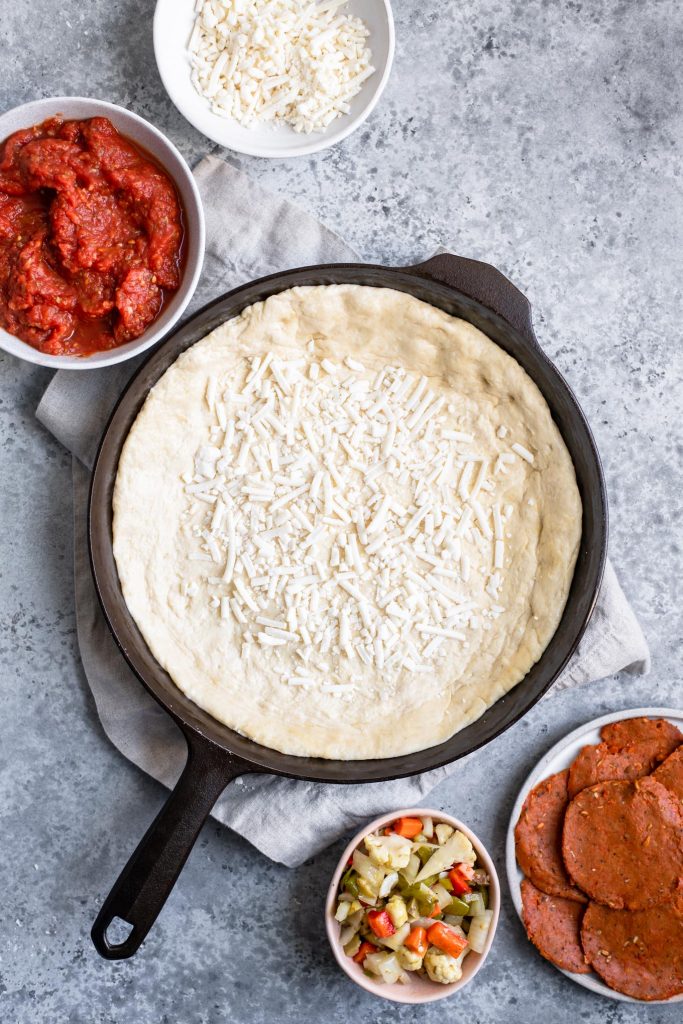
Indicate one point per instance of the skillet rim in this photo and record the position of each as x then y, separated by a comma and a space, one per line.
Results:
579, 607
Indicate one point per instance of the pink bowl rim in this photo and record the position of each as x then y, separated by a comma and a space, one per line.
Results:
411, 993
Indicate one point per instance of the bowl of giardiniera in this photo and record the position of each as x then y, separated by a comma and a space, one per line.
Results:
413, 906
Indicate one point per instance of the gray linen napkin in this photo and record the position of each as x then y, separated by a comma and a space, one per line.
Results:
250, 233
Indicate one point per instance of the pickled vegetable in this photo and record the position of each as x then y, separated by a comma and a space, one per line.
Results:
475, 904
413, 900
458, 906
479, 930
457, 849
350, 882
447, 939
417, 940
408, 827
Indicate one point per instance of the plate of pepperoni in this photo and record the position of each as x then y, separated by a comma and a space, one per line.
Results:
594, 855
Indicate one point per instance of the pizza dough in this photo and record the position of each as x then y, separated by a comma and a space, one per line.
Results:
354, 670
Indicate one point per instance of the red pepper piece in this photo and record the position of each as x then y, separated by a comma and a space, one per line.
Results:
458, 881
381, 923
363, 950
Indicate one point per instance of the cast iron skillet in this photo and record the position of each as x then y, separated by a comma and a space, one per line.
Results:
217, 754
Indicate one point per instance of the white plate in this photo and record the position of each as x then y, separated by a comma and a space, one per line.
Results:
558, 758
173, 21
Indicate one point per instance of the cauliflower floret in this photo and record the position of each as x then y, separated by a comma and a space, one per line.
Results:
397, 911
409, 959
442, 967
443, 832
389, 851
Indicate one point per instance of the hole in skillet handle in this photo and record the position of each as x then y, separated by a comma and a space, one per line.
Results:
118, 932
141, 890
116, 940
485, 284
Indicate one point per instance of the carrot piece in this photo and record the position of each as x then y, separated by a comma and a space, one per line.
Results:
446, 939
417, 940
408, 827
363, 950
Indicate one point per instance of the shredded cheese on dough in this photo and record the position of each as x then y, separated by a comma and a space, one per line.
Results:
336, 505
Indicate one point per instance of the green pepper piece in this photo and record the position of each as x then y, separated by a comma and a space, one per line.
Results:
447, 884
426, 899
484, 890
458, 907
350, 882
424, 853
413, 909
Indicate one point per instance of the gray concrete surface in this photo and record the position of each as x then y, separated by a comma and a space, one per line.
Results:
542, 136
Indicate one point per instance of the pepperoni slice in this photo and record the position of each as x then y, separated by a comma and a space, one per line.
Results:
603, 763
635, 730
538, 836
637, 952
630, 749
553, 925
622, 843
670, 773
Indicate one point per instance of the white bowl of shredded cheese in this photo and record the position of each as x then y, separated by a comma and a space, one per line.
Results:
274, 78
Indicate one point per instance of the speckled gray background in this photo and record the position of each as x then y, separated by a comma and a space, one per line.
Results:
541, 135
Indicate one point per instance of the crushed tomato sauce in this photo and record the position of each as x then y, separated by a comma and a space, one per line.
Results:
91, 237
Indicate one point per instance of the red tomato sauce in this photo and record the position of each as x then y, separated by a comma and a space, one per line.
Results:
91, 237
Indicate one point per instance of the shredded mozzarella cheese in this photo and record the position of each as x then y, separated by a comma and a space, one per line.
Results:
337, 508
278, 61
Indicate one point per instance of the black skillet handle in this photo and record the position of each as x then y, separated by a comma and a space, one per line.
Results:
145, 883
484, 283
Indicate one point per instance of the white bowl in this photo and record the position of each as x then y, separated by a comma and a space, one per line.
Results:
173, 22
418, 989
151, 139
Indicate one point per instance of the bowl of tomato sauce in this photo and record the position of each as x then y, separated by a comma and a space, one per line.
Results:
101, 233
